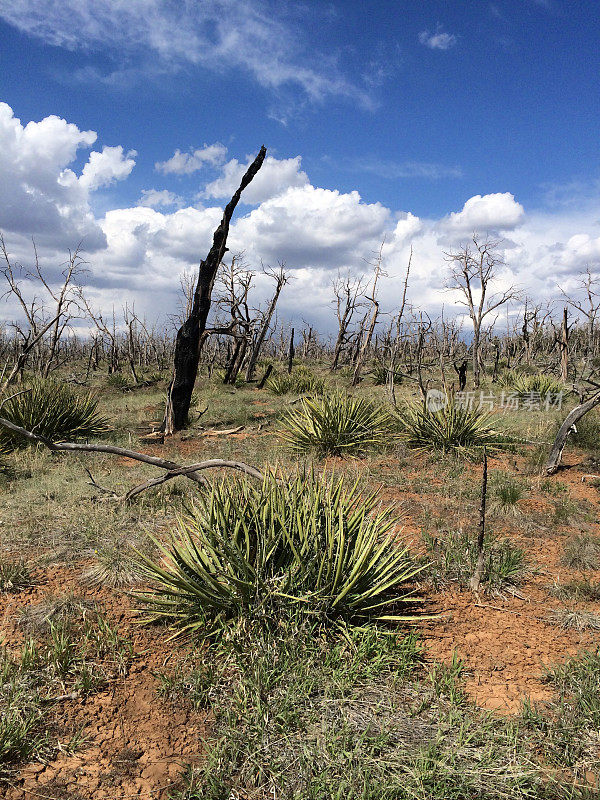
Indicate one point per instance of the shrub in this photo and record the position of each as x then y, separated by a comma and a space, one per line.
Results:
524, 385
452, 428
337, 424
300, 381
311, 544
112, 566
53, 410
381, 375
116, 380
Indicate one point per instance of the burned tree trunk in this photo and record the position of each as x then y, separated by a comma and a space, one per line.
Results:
477, 576
190, 336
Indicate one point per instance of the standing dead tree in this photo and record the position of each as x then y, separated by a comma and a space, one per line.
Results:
478, 573
347, 292
51, 316
589, 285
366, 333
473, 269
190, 335
281, 277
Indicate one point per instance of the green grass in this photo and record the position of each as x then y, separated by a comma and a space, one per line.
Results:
354, 717
452, 557
71, 651
506, 492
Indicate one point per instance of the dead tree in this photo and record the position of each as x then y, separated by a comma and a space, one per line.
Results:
367, 333
52, 315
589, 284
280, 277
191, 334
347, 291
473, 271
291, 354
478, 573
461, 371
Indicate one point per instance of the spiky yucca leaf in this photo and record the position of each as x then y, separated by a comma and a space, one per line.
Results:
53, 410
310, 544
524, 385
452, 428
337, 424
301, 381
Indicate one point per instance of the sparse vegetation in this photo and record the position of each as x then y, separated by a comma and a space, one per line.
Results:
582, 551
452, 556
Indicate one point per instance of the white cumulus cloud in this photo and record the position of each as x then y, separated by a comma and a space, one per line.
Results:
490, 212
186, 163
274, 177
106, 167
156, 198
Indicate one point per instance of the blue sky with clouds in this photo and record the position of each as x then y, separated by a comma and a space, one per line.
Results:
383, 119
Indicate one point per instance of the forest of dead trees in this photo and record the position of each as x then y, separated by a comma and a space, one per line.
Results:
59, 329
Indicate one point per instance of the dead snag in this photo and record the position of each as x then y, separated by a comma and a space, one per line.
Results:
190, 336
478, 574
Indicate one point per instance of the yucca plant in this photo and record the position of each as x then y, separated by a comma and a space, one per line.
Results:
525, 385
453, 428
310, 544
337, 424
381, 375
301, 381
53, 410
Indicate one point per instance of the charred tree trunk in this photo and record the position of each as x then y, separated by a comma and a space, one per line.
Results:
291, 353
478, 574
190, 335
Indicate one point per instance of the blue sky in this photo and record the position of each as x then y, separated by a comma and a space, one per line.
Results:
417, 106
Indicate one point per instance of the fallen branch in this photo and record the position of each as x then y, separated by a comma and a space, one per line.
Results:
173, 470
561, 437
